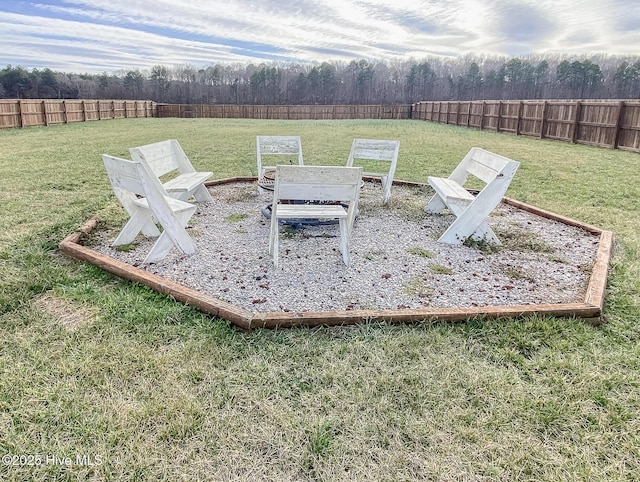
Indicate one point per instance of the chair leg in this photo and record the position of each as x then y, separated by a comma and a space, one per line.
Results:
178, 238
274, 235
160, 249
274, 246
462, 228
202, 194
272, 231
485, 232
435, 205
150, 230
139, 221
386, 189
344, 240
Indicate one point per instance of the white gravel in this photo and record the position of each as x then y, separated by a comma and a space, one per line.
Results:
542, 261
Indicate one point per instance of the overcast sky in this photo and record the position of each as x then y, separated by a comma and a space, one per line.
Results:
113, 35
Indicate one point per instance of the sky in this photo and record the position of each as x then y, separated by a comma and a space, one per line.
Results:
95, 36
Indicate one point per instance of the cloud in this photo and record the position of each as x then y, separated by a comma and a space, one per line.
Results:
524, 24
97, 35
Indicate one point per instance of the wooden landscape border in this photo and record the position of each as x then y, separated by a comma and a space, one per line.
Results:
590, 308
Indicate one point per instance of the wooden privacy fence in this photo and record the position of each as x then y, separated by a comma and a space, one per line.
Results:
315, 112
613, 124
33, 112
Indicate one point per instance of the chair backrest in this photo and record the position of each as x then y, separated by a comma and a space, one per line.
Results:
130, 179
375, 150
487, 166
290, 146
317, 183
163, 157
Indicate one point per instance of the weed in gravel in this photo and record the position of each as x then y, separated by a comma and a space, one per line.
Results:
483, 245
413, 211
516, 273
418, 251
557, 259
236, 217
418, 287
525, 241
373, 254
440, 269
289, 232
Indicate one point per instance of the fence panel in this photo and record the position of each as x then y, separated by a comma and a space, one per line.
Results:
44, 112
598, 123
509, 120
10, 115
605, 123
531, 117
629, 127
32, 113
491, 115
476, 114
318, 112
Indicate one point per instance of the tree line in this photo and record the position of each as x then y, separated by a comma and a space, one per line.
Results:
355, 82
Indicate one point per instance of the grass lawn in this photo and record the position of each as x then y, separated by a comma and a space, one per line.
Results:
102, 379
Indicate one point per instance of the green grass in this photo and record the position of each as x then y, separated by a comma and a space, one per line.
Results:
97, 366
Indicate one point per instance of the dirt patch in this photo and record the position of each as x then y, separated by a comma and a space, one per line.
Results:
70, 315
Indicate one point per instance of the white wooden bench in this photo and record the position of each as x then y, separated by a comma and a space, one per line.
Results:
143, 197
290, 146
471, 211
376, 150
315, 183
165, 158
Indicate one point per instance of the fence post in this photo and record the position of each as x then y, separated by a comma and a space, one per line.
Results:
64, 112
576, 122
482, 115
544, 115
520, 108
84, 111
20, 113
469, 113
499, 116
616, 137
44, 112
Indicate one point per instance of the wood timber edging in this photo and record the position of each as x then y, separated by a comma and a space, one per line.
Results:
592, 307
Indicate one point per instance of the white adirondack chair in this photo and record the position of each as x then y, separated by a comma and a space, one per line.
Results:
315, 183
363, 150
131, 179
289, 146
471, 211
167, 157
